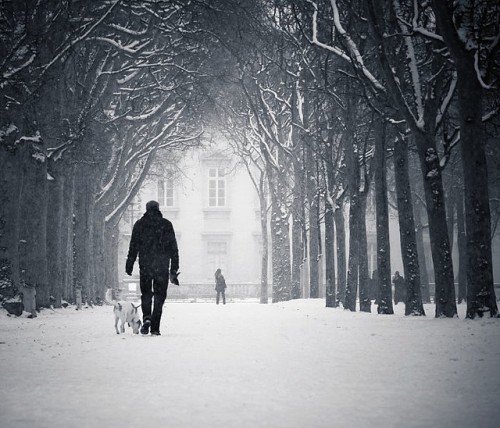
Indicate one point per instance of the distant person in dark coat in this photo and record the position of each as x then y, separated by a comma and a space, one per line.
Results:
220, 286
399, 288
153, 238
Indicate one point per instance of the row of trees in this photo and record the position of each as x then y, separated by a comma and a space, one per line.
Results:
330, 91
90, 95
333, 105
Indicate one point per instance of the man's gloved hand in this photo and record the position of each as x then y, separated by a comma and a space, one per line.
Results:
173, 277
129, 268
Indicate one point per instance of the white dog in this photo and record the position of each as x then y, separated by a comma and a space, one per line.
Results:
126, 312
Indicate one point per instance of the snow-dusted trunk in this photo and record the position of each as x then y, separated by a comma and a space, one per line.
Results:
354, 214
352, 271
341, 256
83, 233
264, 265
297, 222
67, 238
409, 251
462, 251
55, 231
480, 290
312, 205
111, 240
438, 228
99, 261
280, 240
422, 262
33, 262
382, 221
330, 291
11, 182
280, 256
450, 212
365, 302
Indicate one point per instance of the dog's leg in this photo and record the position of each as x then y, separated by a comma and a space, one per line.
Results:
123, 326
116, 324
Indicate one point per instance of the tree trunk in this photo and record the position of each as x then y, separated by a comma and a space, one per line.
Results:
82, 233
353, 180
330, 293
112, 240
365, 303
98, 250
313, 228
34, 231
341, 252
352, 271
419, 235
11, 185
438, 228
354, 210
382, 220
480, 291
409, 252
54, 232
462, 252
67, 245
280, 247
265, 248
297, 224
450, 215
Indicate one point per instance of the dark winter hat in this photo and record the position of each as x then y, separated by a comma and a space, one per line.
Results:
152, 205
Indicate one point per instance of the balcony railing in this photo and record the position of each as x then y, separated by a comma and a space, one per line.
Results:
130, 290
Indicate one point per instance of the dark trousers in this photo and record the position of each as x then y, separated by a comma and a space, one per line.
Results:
223, 292
153, 285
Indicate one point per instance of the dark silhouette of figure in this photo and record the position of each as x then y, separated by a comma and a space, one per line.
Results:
220, 286
153, 238
399, 288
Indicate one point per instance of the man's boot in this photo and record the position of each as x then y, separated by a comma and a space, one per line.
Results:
145, 326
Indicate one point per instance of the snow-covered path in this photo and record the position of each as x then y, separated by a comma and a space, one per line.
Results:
294, 364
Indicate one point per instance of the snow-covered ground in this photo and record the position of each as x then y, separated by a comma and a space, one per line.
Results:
295, 364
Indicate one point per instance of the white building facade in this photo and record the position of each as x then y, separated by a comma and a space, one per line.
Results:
214, 209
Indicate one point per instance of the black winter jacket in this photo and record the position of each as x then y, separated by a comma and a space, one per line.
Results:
220, 283
153, 238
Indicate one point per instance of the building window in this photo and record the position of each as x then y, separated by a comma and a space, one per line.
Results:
169, 193
216, 257
166, 193
216, 187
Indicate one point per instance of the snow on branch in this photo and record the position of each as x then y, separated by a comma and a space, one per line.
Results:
16, 70
132, 48
80, 38
479, 73
415, 75
446, 101
415, 28
128, 30
115, 215
357, 59
150, 145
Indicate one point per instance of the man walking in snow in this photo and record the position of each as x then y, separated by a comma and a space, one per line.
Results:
153, 238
